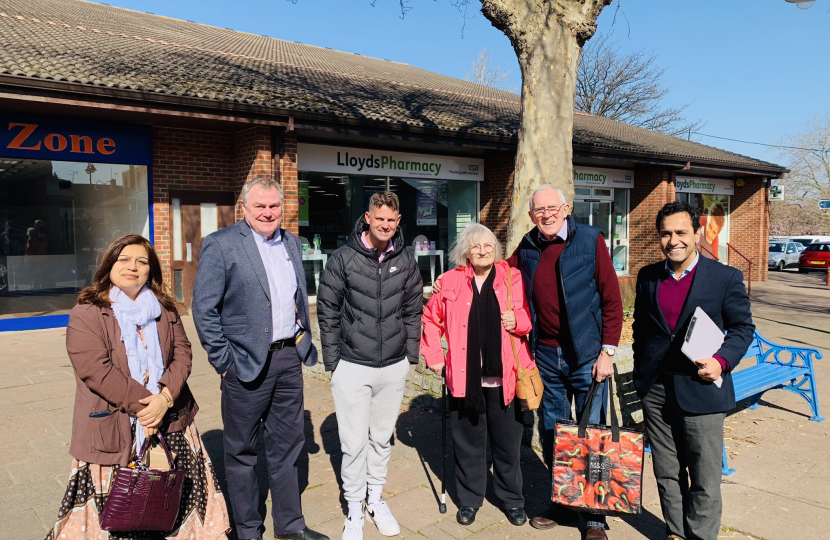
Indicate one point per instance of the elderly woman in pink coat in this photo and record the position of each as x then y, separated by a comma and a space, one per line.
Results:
472, 312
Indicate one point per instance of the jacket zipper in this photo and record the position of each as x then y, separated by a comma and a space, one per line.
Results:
565, 298
380, 314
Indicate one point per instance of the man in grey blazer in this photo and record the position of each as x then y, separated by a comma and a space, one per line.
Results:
250, 307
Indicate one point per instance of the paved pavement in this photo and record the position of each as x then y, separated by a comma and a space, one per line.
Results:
777, 493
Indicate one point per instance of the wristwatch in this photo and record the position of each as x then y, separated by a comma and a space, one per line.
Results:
610, 351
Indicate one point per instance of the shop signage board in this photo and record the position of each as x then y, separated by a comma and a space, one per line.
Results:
776, 193
709, 186
31, 137
343, 160
611, 178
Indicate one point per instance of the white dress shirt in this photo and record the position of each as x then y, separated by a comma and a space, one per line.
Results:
282, 285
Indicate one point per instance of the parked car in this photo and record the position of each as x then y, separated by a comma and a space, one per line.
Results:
800, 247
808, 239
782, 254
814, 257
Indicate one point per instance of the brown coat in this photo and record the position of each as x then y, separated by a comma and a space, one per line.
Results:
103, 382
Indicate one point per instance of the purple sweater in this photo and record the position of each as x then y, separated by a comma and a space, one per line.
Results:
671, 295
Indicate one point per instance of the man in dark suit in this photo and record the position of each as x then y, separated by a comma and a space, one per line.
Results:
250, 307
684, 409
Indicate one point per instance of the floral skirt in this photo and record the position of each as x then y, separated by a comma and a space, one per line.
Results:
202, 513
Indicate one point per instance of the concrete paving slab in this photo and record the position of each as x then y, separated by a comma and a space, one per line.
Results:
25, 524
782, 459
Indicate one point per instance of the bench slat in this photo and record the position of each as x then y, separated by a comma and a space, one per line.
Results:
756, 379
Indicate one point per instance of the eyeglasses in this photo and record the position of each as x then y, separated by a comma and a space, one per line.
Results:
545, 209
486, 248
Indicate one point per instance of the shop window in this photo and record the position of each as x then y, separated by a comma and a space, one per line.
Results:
714, 222
431, 210
57, 219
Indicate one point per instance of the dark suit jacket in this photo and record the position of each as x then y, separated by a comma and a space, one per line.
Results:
232, 301
103, 382
718, 290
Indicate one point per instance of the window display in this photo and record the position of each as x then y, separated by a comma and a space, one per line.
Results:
57, 217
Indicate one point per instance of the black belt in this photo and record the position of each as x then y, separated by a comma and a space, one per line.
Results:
280, 344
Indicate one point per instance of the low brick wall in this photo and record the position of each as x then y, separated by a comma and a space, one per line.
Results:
426, 387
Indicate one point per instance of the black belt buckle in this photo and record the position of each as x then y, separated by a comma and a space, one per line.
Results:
279, 345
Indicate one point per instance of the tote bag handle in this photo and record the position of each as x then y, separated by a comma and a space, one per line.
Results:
589, 402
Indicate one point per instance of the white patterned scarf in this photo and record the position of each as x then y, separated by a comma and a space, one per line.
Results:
132, 315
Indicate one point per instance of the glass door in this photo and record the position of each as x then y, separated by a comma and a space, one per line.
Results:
607, 210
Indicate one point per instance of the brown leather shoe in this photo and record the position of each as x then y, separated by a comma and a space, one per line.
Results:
553, 517
595, 533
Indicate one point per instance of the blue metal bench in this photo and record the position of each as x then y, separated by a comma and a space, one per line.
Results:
777, 366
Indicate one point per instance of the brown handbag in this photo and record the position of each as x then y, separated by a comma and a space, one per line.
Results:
529, 385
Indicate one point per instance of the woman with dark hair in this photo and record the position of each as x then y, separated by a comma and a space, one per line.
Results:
132, 359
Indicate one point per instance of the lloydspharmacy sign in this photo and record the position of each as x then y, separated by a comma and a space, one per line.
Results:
360, 161
712, 186
611, 178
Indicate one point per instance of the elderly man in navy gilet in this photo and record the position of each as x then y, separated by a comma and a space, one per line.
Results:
576, 310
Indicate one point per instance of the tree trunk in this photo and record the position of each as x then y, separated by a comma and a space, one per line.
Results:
547, 36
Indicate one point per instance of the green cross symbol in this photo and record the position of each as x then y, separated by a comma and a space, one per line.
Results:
774, 191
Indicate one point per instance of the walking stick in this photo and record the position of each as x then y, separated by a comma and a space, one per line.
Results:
443, 506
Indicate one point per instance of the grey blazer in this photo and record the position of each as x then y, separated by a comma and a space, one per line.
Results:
232, 303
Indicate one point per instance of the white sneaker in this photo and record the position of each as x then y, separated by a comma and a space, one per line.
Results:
353, 529
379, 514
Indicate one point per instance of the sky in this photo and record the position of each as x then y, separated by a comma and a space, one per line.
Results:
753, 70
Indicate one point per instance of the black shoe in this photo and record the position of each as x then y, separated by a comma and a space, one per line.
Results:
516, 516
466, 515
305, 534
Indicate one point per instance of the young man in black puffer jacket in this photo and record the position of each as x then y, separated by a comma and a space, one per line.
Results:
369, 307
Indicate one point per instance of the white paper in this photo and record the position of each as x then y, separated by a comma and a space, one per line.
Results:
703, 339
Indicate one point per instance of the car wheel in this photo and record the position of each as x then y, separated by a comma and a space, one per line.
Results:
802, 270
780, 266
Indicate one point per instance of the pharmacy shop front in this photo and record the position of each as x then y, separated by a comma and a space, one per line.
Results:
712, 197
601, 199
438, 196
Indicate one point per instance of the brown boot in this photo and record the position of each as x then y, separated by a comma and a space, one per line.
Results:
595, 533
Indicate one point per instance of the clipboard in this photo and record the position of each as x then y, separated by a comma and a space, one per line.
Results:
703, 339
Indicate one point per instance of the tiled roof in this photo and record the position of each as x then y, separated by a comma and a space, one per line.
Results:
94, 44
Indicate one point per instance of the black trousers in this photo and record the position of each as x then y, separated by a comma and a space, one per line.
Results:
276, 396
470, 433
686, 450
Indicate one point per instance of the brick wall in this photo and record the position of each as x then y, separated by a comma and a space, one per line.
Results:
749, 228
194, 160
186, 159
653, 187
287, 176
495, 193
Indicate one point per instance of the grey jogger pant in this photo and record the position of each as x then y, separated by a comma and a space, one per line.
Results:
367, 401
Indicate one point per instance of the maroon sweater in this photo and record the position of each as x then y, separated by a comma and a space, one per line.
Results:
551, 319
671, 296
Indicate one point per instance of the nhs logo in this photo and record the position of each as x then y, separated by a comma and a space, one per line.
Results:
473, 168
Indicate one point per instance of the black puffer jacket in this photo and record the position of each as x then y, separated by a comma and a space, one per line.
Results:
370, 313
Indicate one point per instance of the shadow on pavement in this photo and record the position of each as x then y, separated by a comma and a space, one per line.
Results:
214, 446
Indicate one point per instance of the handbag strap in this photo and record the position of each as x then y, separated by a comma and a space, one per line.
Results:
510, 306
588, 405
146, 446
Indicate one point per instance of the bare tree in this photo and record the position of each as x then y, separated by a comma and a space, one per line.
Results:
547, 36
808, 158
484, 72
628, 88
